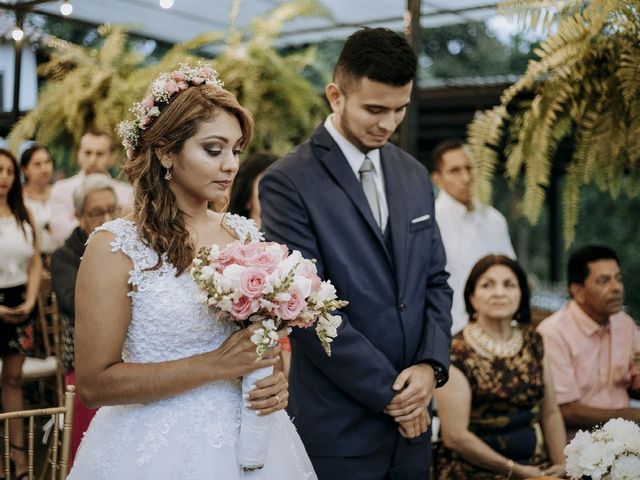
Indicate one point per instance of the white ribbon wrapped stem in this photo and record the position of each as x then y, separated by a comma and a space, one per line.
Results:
254, 429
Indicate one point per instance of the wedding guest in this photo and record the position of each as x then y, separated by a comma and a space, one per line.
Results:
20, 276
162, 368
244, 193
95, 155
37, 169
592, 343
498, 412
95, 202
363, 208
470, 229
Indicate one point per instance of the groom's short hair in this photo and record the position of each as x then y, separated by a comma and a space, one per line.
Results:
378, 54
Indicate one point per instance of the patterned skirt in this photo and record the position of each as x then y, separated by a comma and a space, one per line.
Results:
15, 339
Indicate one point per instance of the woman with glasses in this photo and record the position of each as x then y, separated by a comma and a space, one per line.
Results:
95, 202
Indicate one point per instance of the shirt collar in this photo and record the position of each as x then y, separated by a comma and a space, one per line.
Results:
451, 203
587, 324
353, 155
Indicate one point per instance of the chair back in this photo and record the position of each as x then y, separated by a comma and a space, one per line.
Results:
57, 461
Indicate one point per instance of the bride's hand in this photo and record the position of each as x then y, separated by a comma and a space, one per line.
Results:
237, 355
270, 395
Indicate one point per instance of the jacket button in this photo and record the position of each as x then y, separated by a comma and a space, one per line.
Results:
402, 307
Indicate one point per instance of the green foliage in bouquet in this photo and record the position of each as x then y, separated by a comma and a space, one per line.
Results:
97, 86
586, 88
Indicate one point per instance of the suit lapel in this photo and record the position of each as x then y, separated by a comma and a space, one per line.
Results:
397, 203
338, 167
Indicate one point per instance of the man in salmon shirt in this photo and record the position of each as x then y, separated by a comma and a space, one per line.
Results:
593, 346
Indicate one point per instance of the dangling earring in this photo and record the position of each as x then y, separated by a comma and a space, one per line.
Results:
167, 176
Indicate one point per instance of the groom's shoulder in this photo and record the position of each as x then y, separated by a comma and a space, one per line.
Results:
407, 161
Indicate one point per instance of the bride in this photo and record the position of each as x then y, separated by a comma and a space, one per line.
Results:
164, 370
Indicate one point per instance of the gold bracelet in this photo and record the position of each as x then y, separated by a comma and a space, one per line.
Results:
510, 466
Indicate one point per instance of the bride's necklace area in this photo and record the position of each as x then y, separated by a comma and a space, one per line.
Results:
492, 347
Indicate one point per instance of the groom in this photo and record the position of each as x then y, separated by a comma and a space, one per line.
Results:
364, 209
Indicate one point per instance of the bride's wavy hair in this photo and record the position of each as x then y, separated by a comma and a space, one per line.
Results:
156, 213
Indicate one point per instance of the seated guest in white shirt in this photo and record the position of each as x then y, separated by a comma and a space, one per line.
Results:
470, 229
95, 155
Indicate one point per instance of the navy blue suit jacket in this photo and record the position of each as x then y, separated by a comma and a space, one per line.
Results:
400, 302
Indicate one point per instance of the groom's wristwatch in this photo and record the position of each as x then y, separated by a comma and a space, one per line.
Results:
439, 372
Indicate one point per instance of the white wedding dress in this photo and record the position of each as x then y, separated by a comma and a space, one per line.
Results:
192, 435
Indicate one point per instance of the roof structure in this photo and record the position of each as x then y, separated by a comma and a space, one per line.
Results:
187, 18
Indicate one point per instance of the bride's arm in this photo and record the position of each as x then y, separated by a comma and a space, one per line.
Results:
103, 313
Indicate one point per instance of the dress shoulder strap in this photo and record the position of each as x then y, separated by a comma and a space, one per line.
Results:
245, 228
128, 241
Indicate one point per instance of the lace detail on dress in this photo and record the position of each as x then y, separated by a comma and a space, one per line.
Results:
244, 227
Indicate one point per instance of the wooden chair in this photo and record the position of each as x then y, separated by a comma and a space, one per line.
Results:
57, 460
48, 365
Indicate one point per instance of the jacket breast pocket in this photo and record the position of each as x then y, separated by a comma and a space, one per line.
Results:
422, 224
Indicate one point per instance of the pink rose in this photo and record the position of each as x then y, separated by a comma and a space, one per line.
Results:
243, 308
197, 80
251, 282
290, 309
178, 76
228, 255
171, 87
308, 270
265, 261
148, 102
146, 121
182, 85
251, 249
206, 72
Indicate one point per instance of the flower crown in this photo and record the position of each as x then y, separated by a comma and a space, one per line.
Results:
163, 89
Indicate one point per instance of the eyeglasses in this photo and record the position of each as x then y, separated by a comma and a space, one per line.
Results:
98, 213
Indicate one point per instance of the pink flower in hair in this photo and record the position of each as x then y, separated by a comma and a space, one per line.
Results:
148, 102
178, 76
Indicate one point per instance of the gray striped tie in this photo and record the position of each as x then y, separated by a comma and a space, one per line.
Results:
367, 178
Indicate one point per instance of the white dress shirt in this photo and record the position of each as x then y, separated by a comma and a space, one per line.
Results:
355, 158
467, 237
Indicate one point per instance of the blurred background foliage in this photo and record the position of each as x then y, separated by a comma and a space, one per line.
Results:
472, 50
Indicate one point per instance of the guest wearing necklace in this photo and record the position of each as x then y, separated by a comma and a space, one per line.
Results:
498, 412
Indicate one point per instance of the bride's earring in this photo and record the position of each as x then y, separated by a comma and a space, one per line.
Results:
167, 176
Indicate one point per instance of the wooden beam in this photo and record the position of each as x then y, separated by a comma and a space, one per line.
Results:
413, 32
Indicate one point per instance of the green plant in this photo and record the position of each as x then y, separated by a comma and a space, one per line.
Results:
585, 85
97, 86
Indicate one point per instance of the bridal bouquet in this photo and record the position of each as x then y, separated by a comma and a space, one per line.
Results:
610, 452
262, 282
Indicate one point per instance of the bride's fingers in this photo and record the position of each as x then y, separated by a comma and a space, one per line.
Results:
268, 388
265, 406
277, 379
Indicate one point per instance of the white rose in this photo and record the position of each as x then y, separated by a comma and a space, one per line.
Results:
214, 253
626, 467
625, 432
207, 272
304, 284
327, 292
290, 262
232, 274
596, 459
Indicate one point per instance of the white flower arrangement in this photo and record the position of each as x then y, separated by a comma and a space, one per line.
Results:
163, 89
610, 452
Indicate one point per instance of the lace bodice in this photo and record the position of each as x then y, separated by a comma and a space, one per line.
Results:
169, 319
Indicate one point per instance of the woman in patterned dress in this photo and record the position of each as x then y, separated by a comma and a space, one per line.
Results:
499, 416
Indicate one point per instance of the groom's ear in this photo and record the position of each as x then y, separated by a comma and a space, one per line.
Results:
335, 97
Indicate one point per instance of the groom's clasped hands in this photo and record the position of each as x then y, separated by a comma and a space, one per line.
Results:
414, 389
